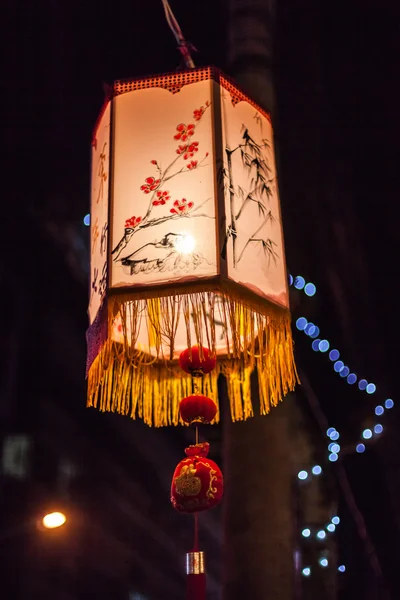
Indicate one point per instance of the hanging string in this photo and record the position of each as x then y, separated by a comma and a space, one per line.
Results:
196, 533
184, 47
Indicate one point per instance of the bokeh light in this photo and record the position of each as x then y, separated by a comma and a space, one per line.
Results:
334, 355
315, 345
301, 323
316, 470
323, 562
299, 282
360, 448
371, 388
86, 220
53, 520
362, 384
310, 329
315, 332
323, 346
389, 403
310, 289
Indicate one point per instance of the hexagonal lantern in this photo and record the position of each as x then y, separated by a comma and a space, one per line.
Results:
186, 247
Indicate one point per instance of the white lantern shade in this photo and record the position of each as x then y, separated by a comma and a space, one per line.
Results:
99, 211
184, 182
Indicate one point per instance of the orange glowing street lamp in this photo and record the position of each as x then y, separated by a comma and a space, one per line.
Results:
53, 520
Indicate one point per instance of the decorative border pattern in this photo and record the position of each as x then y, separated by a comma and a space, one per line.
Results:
174, 82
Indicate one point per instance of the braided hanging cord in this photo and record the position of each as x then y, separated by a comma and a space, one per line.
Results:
183, 46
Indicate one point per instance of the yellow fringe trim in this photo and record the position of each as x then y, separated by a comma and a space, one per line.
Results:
135, 382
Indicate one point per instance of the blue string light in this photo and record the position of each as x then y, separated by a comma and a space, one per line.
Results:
310, 289
323, 562
323, 346
315, 345
334, 355
338, 366
86, 220
299, 282
351, 379
301, 323
310, 329
315, 332
362, 384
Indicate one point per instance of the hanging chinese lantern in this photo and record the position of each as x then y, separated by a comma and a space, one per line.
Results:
186, 250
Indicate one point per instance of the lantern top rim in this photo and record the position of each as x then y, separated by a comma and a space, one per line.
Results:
175, 80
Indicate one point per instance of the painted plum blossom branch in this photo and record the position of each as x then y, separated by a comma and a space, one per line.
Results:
154, 186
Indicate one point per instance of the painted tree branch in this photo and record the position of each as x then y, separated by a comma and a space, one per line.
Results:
154, 186
232, 228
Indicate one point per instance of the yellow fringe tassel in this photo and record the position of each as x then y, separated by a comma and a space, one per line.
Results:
147, 382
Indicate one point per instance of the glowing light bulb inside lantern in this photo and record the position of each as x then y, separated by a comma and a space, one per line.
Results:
185, 244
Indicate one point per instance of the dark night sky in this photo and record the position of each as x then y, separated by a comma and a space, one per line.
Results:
338, 135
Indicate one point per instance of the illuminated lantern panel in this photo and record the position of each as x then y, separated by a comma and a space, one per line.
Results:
184, 184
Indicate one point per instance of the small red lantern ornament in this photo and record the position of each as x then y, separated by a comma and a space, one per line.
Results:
196, 361
197, 409
197, 483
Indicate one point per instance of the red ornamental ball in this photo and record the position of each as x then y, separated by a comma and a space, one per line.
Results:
197, 483
191, 362
197, 409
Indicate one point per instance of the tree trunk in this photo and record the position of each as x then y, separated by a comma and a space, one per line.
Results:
258, 548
